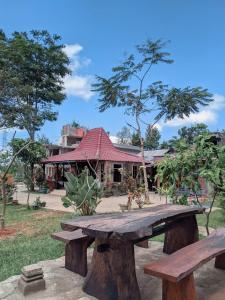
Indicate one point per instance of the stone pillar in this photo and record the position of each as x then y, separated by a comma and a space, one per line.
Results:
31, 280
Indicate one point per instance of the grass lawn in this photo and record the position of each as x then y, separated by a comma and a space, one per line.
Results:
27, 238
217, 219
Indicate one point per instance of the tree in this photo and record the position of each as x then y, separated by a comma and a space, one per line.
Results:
189, 133
135, 141
75, 124
130, 87
3, 180
152, 137
186, 133
180, 176
124, 135
30, 156
44, 140
32, 68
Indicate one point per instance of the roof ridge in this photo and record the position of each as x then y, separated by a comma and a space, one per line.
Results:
99, 142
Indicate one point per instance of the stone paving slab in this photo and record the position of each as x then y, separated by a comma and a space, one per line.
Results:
64, 285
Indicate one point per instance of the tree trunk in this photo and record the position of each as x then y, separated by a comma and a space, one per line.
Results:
147, 201
32, 137
28, 198
4, 201
31, 177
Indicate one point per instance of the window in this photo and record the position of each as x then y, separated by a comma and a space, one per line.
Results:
116, 173
135, 171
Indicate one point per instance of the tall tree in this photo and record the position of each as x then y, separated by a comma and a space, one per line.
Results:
124, 135
152, 137
130, 87
32, 68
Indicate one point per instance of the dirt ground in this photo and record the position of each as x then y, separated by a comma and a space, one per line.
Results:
53, 200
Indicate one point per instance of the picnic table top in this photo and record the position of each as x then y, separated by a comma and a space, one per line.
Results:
129, 225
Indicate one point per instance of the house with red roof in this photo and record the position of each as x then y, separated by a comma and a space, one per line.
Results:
96, 152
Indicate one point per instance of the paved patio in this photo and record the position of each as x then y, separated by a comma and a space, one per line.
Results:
53, 200
65, 285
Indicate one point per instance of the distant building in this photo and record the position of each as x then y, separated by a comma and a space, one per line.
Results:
96, 152
127, 148
154, 156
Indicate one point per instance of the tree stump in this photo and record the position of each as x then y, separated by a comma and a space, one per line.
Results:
183, 234
182, 290
112, 274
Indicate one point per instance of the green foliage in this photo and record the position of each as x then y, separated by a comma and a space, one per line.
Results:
180, 175
152, 137
32, 68
37, 204
186, 133
39, 176
33, 154
83, 192
30, 156
183, 171
135, 140
190, 133
75, 124
156, 97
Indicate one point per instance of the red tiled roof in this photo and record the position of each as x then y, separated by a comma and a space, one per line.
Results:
95, 145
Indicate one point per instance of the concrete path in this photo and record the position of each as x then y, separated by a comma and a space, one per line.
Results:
65, 285
53, 200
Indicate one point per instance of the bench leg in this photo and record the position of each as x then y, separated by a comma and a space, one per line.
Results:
76, 255
182, 290
182, 235
220, 261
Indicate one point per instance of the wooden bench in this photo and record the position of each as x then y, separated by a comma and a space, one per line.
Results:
75, 249
176, 270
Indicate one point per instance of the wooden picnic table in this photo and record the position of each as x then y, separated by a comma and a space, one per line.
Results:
112, 274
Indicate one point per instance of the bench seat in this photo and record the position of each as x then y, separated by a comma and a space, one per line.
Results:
176, 270
75, 249
68, 236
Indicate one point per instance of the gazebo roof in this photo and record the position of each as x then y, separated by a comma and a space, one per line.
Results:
95, 145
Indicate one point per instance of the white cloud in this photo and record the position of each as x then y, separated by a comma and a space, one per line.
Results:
208, 114
114, 139
158, 126
77, 84
72, 50
80, 86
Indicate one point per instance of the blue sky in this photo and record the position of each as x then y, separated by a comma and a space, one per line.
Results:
99, 32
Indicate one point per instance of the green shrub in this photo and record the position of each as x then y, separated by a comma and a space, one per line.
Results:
83, 192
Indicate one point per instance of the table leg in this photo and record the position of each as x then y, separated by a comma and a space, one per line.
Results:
183, 234
112, 274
